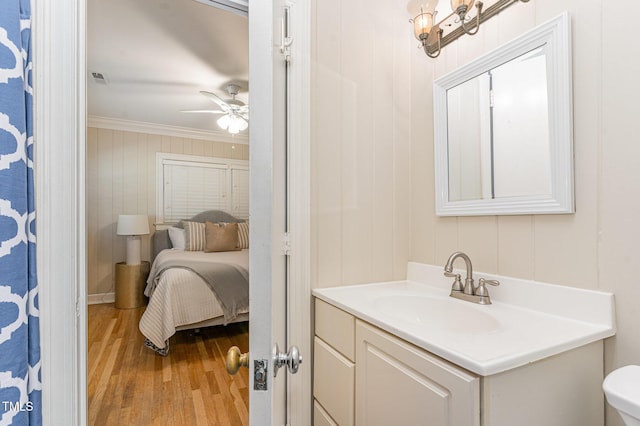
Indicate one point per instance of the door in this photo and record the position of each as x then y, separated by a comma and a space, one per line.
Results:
279, 197
267, 159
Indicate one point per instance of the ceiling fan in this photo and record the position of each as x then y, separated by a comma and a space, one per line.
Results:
235, 116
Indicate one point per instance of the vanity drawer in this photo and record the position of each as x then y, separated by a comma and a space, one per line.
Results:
334, 383
336, 327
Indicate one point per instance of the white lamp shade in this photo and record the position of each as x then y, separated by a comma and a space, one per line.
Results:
133, 224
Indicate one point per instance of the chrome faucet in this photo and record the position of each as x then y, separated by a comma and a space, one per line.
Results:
468, 281
468, 292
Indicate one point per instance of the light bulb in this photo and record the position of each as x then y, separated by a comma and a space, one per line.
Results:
224, 121
243, 123
233, 128
461, 6
422, 24
415, 7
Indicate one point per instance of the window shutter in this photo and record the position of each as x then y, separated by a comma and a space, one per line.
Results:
191, 189
188, 185
240, 192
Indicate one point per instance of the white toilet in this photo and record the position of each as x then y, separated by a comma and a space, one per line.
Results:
622, 389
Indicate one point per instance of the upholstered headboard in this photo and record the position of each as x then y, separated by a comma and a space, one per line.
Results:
160, 239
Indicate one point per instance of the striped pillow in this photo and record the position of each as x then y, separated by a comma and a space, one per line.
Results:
243, 235
195, 236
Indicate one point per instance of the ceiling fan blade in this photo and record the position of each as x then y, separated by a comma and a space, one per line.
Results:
217, 99
210, 111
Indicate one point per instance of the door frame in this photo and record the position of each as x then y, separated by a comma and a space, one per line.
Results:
59, 47
300, 395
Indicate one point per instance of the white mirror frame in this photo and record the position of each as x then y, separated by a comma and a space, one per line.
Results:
556, 35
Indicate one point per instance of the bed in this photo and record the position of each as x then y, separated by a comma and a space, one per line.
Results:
190, 288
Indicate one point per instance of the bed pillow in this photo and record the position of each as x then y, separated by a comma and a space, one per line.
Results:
221, 237
177, 237
194, 236
243, 235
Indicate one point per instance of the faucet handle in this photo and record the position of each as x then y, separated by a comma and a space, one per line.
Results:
457, 283
481, 290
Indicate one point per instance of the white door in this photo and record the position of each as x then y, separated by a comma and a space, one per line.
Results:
267, 159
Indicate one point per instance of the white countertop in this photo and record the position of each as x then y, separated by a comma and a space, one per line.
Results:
526, 322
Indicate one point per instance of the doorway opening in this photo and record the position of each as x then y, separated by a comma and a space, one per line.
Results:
146, 62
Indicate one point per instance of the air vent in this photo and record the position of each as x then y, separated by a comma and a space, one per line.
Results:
99, 78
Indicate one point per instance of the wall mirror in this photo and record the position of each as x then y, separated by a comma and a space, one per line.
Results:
503, 129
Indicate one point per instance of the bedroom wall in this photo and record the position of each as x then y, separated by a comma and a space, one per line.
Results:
367, 47
121, 179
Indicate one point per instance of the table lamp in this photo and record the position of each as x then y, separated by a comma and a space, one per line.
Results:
133, 225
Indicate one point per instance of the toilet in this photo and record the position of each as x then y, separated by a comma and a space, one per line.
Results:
622, 389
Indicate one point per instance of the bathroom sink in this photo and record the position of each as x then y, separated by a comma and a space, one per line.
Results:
528, 320
437, 312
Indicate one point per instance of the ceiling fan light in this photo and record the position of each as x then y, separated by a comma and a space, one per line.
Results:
224, 121
242, 123
233, 128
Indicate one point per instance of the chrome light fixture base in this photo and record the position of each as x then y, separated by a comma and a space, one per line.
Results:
431, 36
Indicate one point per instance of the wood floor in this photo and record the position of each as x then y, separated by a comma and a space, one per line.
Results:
132, 385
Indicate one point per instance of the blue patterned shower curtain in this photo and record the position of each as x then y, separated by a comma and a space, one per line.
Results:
20, 378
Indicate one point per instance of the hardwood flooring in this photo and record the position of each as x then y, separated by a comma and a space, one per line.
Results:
130, 384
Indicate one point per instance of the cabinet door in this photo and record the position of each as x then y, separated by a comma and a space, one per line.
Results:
321, 417
400, 384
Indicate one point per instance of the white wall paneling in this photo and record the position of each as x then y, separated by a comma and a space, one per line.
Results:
360, 141
594, 248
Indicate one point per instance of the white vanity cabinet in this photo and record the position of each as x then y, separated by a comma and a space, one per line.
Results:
366, 376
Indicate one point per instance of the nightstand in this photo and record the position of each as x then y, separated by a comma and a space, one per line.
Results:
130, 283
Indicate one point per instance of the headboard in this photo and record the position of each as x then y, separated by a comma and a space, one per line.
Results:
160, 239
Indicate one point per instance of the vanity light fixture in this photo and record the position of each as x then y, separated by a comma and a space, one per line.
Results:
430, 34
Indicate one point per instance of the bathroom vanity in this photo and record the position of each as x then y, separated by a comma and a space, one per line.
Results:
406, 353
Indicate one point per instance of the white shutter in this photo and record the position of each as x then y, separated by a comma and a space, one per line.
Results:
240, 192
188, 185
193, 188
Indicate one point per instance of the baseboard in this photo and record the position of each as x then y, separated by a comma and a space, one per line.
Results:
96, 299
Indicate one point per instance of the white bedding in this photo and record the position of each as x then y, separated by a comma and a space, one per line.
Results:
182, 297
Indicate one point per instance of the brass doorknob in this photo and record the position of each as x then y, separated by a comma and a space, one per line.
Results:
236, 359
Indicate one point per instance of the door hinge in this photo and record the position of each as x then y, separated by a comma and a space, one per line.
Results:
285, 39
286, 244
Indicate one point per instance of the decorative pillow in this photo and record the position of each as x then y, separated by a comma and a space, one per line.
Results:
177, 237
221, 237
195, 237
243, 235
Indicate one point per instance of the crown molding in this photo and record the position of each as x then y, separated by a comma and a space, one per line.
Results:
164, 130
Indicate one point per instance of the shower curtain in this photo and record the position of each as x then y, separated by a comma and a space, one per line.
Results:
20, 378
